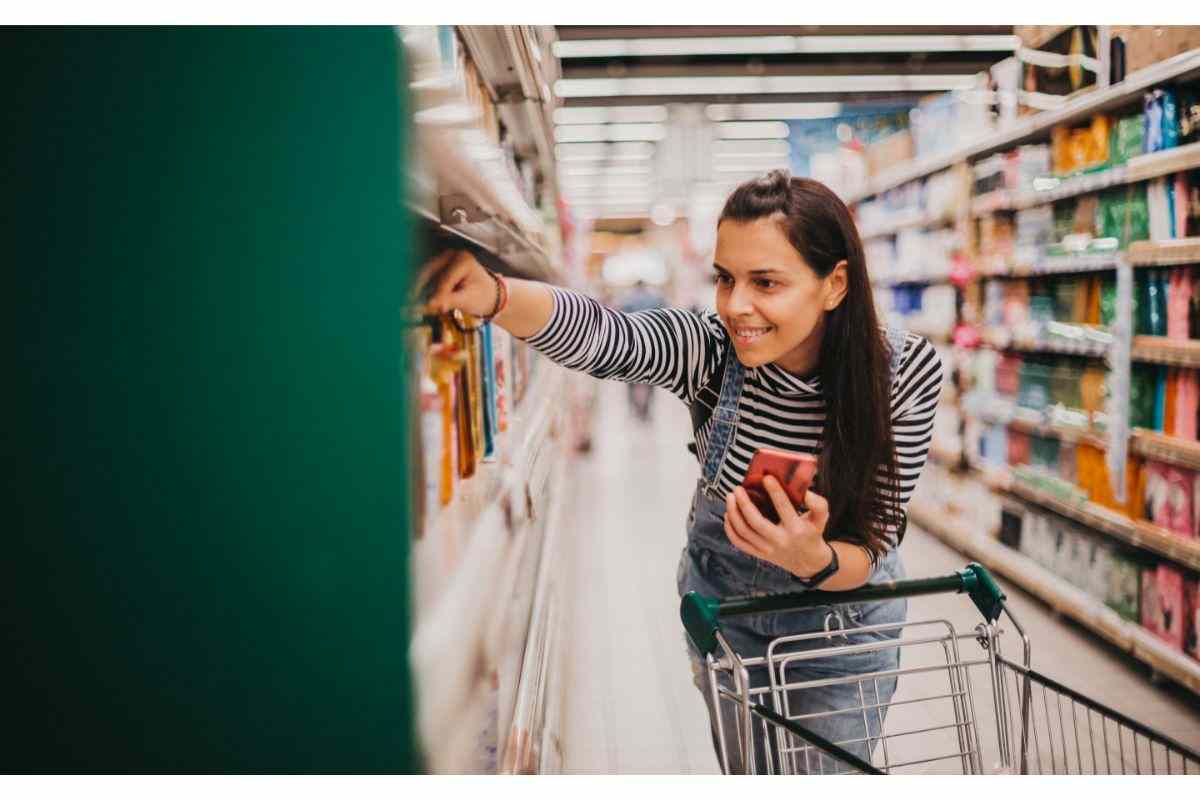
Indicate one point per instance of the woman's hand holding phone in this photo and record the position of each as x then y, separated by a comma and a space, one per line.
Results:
796, 543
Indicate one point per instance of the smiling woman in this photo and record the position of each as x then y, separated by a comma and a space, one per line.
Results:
796, 354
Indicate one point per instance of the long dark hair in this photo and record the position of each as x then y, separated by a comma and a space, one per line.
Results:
857, 470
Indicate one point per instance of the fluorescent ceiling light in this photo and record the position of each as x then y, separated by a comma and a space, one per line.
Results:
607, 182
616, 169
752, 130
600, 114
749, 45
761, 167
752, 148
723, 112
630, 132
763, 84
599, 151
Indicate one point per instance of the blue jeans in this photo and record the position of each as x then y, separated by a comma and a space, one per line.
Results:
711, 566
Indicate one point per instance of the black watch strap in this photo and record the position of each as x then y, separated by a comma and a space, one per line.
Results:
823, 575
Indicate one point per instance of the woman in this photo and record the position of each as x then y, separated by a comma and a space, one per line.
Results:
796, 352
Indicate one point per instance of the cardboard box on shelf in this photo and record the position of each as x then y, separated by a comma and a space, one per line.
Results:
889, 152
1149, 44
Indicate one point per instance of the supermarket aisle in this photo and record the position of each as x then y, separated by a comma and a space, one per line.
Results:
631, 707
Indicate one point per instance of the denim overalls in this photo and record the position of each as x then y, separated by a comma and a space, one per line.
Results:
711, 565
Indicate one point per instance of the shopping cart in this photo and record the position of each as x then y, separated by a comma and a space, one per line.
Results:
1034, 725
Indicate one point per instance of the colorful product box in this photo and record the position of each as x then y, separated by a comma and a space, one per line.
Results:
1169, 587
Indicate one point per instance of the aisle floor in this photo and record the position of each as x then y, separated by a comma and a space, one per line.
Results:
631, 706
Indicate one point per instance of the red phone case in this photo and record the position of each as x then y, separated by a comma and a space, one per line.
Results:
794, 471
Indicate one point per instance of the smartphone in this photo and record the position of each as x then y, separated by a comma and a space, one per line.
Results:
794, 471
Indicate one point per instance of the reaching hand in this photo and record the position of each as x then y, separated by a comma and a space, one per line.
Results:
464, 285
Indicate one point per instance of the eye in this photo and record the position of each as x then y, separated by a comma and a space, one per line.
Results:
765, 283
721, 279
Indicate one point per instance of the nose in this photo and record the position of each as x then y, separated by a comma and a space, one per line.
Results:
739, 301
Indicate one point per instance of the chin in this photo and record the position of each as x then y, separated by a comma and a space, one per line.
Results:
752, 358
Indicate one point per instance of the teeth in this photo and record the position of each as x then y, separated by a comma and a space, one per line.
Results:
749, 334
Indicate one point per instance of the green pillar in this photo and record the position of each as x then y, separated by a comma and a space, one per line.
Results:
206, 513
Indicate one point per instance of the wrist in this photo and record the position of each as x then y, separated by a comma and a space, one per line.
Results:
813, 560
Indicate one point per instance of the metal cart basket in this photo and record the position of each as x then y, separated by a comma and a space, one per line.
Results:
978, 712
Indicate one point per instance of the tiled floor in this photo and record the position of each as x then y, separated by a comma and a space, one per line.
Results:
631, 706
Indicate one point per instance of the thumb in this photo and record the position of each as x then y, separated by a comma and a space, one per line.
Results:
818, 508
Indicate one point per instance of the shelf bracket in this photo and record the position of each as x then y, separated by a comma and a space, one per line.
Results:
459, 209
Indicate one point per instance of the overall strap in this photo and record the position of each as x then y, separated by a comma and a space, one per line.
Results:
896, 338
725, 418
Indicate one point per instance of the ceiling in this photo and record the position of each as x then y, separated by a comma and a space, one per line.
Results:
775, 52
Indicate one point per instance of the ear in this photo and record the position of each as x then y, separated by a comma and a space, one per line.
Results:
837, 283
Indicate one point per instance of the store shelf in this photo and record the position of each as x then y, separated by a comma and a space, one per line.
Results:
914, 278
1139, 533
1141, 168
1184, 66
1164, 162
1064, 598
511, 61
914, 218
1063, 433
1002, 339
1165, 252
1168, 449
1161, 350
1058, 265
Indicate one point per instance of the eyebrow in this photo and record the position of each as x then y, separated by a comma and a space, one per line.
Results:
767, 271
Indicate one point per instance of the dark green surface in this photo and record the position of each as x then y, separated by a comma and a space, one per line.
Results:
205, 517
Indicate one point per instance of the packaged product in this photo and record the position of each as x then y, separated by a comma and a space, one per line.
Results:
1154, 490
1191, 623
1127, 138
1151, 616
1169, 587
1097, 567
1179, 511
488, 394
1019, 448
1123, 587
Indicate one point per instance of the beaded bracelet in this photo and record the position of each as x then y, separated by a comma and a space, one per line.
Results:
501, 296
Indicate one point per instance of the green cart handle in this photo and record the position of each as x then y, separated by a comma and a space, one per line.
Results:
701, 614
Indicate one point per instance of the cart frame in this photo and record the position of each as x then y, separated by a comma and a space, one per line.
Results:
1033, 734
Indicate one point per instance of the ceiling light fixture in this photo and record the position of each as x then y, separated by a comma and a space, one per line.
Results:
598, 115
752, 130
617, 132
600, 151
762, 45
774, 84
723, 112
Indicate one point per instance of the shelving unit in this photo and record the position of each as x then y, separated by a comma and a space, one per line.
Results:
1116, 345
486, 645
1161, 350
1184, 66
1059, 595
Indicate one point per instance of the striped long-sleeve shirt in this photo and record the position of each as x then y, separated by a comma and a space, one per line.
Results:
678, 350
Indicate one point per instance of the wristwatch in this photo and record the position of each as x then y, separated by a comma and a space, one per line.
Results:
822, 576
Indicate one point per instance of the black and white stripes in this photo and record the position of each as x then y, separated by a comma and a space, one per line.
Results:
678, 349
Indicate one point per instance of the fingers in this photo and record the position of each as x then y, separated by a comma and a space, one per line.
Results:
738, 540
452, 281
746, 527
818, 509
759, 524
783, 503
